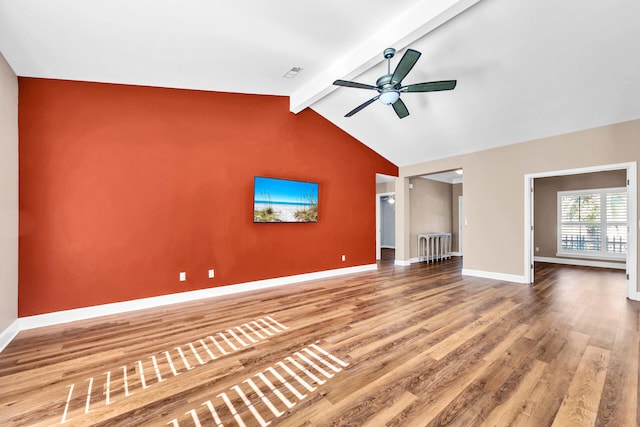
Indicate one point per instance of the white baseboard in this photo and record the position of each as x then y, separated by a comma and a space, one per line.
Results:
582, 262
9, 334
493, 275
410, 261
65, 316
387, 247
635, 296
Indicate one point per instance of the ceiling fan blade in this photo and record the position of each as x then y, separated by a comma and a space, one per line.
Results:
347, 83
430, 86
405, 65
400, 108
361, 106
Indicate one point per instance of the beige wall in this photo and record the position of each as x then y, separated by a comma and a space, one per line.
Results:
8, 195
456, 191
494, 189
546, 199
385, 187
430, 209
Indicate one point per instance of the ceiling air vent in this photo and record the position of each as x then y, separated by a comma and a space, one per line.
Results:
292, 72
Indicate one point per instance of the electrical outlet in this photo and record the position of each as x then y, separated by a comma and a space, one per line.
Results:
537, 249
183, 276
212, 274
344, 257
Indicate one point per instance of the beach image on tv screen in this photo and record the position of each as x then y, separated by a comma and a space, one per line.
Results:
281, 200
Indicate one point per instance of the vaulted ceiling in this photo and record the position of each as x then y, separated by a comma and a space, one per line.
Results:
525, 69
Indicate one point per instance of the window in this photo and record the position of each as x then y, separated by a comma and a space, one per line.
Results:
593, 223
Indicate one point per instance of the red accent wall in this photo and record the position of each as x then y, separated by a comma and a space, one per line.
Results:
122, 187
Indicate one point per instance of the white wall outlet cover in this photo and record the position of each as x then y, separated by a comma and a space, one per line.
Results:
183, 276
344, 257
211, 274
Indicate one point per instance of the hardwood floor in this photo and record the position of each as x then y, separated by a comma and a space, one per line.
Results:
402, 346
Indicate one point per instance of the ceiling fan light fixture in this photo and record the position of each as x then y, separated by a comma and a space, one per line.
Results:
389, 97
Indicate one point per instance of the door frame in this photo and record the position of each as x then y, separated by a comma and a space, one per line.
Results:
632, 220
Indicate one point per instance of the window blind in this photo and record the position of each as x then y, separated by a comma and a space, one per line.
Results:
593, 223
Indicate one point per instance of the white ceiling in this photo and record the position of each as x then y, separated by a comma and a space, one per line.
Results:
525, 69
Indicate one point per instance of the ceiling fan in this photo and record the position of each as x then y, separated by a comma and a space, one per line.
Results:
390, 87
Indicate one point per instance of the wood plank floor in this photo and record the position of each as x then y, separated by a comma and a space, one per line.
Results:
402, 346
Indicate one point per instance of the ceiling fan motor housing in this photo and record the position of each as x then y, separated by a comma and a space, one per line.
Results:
384, 82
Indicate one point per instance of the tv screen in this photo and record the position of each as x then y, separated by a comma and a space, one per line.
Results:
283, 200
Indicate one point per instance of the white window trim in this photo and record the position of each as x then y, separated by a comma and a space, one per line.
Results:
590, 254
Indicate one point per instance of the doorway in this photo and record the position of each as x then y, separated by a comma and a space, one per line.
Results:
385, 222
631, 256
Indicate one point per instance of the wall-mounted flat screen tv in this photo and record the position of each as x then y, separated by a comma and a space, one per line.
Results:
283, 200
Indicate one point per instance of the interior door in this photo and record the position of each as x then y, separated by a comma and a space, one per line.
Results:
460, 223
531, 240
